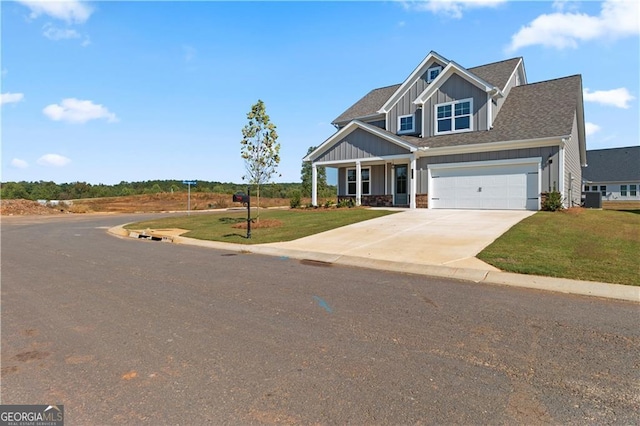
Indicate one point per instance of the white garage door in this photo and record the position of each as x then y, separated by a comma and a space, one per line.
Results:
505, 187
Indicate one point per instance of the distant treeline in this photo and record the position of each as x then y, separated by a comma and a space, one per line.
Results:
70, 191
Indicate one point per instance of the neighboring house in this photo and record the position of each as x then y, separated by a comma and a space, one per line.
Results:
455, 137
614, 172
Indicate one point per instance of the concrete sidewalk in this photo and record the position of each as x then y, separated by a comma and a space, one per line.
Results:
401, 254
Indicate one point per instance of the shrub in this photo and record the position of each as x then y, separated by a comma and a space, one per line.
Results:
328, 204
295, 202
346, 202
552, 202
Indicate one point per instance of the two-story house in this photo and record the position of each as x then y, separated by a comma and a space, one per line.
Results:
455, 137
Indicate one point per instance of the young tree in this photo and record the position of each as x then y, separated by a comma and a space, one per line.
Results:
306, 176
260, 149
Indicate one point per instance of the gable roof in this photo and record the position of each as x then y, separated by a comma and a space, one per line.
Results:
533, 111
353, 126
414, 76
368, 105
497, 73
613, 165
448, 71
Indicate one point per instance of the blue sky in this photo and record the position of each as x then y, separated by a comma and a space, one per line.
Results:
103, 92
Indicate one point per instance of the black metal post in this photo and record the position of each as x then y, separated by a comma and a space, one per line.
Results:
248, 212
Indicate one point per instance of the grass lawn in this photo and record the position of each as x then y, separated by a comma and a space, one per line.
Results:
592, 245
273, 226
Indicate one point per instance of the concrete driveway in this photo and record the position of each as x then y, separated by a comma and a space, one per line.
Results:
431, 237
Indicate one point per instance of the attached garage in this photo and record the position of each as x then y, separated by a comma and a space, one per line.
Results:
486, 185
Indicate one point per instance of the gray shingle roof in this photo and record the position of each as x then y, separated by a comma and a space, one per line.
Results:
613, 165
533, 111
369, 105
497, 73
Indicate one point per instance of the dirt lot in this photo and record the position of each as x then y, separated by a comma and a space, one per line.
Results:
133, 204
26, 207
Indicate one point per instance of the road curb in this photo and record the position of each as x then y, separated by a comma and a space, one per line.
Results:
560, 285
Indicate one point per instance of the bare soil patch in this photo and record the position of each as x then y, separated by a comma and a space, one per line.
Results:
27, 207
163, 202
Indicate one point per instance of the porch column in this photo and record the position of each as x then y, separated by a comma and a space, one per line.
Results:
414, 180
314, 185
358, 183
386, 175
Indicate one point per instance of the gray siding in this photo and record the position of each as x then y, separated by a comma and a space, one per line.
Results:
549, 171
456, 88
378, 123
360, 144
405, 105
572, 169
376, 180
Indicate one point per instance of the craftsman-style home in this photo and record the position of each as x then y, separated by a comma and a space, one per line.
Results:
460, 138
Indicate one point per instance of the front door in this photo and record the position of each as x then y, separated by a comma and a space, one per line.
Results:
401, 185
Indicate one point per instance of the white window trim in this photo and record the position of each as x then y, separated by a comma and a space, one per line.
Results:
346, 178
436, 67
453, 104
413, 124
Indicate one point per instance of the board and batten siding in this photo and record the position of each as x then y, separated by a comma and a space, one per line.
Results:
405, 105
572, 169
549, 171
360, 144
376, 180
456, 88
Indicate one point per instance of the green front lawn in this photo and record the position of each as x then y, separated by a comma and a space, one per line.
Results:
593, 245
283, 225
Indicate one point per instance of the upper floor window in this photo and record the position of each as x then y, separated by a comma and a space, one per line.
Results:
433, 72
406, 124
454, 116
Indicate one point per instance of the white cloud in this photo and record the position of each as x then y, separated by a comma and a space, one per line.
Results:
565, 5
75, 110
70, 11
54, 160
616, 97
4, 72
54, 33
591, 128
19, 164
617, 19
9, 98
451, 8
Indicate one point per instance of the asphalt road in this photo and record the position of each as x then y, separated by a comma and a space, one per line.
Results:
125, 331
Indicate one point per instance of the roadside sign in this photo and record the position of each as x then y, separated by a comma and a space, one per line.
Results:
189, 183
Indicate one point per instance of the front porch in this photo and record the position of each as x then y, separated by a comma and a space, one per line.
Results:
422, 200
385, 182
